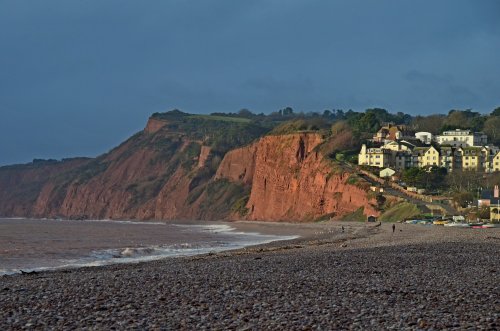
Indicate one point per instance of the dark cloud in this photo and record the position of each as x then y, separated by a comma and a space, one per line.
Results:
76, 77
416, 76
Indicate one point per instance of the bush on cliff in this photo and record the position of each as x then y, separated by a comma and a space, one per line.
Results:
355, 216
221, 195
222, 133
301, 125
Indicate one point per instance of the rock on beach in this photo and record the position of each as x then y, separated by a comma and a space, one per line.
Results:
367, 278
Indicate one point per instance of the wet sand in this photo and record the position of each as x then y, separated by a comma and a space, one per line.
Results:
365, 278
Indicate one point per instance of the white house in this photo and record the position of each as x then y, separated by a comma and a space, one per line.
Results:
387, 173
425, 137
462, 138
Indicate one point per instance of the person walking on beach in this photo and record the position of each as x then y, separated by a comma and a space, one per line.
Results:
393, 228
342, 228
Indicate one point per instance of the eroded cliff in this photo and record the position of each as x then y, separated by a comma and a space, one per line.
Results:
190, 167
291, 179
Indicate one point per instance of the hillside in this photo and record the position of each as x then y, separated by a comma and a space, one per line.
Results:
184, 166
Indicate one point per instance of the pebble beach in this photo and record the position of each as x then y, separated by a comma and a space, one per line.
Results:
363, 278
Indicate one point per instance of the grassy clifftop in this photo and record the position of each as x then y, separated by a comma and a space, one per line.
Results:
221, 133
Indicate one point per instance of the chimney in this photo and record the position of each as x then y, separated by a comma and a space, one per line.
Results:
495, 192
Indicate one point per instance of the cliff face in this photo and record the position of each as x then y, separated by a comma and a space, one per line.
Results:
154, 125
147, 177
21, 185
239, 165
291, 180
164, 173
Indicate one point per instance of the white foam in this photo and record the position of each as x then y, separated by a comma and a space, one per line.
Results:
212, 228
117, 221
235, 240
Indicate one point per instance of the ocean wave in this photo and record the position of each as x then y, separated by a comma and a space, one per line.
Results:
226, 239
211, 228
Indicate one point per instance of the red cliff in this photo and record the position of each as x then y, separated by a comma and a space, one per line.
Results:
164, 173
291, 180
154, 125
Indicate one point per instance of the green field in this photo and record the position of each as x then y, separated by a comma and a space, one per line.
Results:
221, 118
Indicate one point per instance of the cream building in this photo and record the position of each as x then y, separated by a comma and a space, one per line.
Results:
375, 157
447, 158
458, 149
462, 138
473, 158
495, 162
393, 154
426, 157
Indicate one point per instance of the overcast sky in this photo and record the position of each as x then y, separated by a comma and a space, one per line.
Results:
78, 77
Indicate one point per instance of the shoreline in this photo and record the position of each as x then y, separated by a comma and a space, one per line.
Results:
308, 235
366, 277
277, 233
56, 245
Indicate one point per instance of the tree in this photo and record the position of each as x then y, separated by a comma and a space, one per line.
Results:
339, 127
431, 123
339, 114
245, 113
380, 200
459, 181
463, 119
287, 111
496, 112
463, 199
430, 179
364, 123
381, 114
413, 176
435, 178
492, 129
477, 123
456, 120
402, 118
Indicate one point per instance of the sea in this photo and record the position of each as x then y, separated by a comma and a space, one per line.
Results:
44, 244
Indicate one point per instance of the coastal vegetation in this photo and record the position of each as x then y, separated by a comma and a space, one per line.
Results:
356, 216
169, 158
400, 211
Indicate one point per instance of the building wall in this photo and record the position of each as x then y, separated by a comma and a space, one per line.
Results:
400, 156
430, 158
462, 138
425, 137
375, 157
495, 163
447, 161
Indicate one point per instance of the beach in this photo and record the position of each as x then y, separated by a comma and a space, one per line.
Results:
45, 244
366, 277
